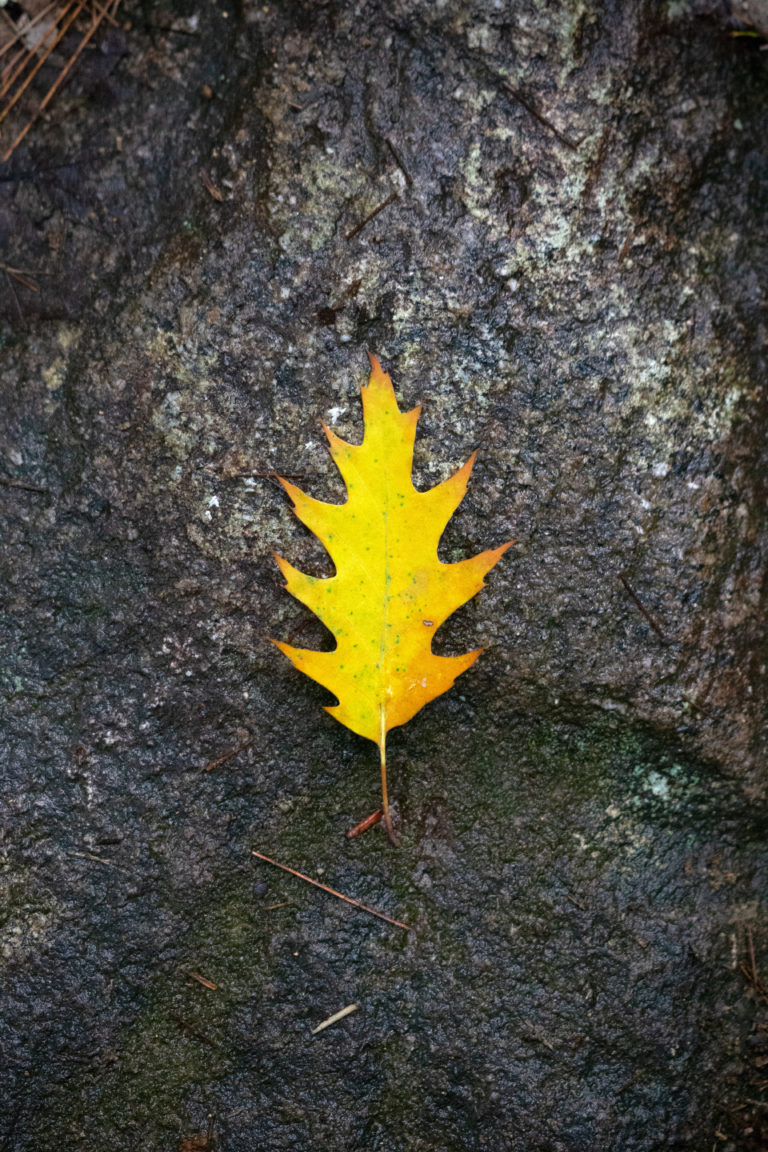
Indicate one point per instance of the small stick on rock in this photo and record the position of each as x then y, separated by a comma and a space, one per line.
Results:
350, 1008
192, 1030
210, 187
364, 825
399, 161
22, 276
227, 756
533, 111
332, 891
753, 964
372, 215
625, 246
8, 483
641, 606
300, 628
202, 980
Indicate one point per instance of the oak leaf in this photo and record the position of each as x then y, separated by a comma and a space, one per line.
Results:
390, 592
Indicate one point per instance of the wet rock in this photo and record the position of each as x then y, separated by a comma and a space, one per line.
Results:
549, 224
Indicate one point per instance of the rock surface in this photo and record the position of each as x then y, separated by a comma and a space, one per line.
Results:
567, 264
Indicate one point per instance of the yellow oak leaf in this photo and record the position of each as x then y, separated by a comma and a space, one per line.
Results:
390, 592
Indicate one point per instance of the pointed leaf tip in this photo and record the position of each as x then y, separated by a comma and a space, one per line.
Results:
379, 378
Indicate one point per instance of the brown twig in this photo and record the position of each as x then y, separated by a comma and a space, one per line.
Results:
333, 892
21, 275
227, 756
192, 1030
752, 974
625, 246
364, 825
759, 987
699, 707
636, 599
372, 215
751, 946
596, 169
300, 627
202, 980
399, 161
105, 14
210, 187
6, 483
22, 54
532, 110
15, 298
349, 293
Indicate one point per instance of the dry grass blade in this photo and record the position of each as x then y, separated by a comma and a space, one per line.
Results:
23, 32
21, 276
8, 68
104, 13
71, 17
18, 75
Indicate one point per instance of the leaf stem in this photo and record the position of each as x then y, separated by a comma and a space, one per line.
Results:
384, 797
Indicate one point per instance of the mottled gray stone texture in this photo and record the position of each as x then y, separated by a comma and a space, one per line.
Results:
569, 269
